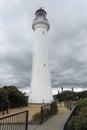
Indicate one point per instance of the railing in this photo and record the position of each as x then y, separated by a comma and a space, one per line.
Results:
72, 112
14, 121
46, 112
69, 104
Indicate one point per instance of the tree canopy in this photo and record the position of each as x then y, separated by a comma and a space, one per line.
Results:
16, 97
69, 95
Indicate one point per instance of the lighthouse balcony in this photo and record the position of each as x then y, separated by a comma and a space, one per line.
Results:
40, 22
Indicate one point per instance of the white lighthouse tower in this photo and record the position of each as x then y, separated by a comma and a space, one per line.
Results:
41, 82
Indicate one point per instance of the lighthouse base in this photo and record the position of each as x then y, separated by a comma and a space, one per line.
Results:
42, 101
40, 97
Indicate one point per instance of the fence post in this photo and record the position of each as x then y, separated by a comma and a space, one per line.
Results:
70, 105
41, 114
26, 127
51, 108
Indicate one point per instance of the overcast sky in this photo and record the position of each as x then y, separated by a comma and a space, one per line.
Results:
67, 41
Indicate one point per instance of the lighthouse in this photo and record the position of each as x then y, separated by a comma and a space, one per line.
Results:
41, 91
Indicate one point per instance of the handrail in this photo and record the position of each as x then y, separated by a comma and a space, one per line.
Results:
67, 118
14, 121
13, 114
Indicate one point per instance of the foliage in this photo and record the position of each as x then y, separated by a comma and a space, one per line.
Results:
37, 117
69, 95
79, 121
66, 95
81, 103
82, 94
46, 112
16, 97
3, 96
54, 107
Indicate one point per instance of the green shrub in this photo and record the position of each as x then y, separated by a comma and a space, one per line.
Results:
37, 117
79, 121
46, 113
81, 103
54, 107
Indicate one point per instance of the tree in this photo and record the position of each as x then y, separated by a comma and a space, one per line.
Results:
16, 97
3, 96
69, 95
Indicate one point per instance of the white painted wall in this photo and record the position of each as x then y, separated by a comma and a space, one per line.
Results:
41, 82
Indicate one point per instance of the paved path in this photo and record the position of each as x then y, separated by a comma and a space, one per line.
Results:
53, 123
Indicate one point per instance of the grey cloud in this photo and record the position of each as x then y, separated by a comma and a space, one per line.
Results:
67, 41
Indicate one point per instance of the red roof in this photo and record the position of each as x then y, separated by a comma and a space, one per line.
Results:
41, 10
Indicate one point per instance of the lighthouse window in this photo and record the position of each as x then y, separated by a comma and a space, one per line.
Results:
43, 32
44, 65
